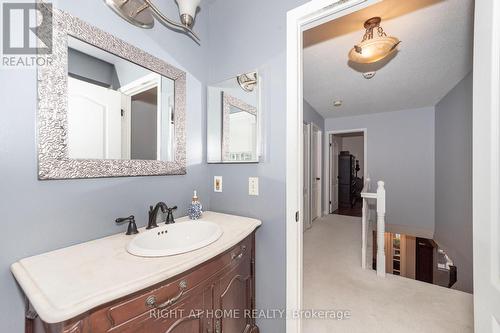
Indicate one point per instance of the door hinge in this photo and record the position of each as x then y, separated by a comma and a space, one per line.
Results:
297, 216
122, 112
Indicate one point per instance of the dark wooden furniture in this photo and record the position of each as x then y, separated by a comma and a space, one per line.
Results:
350, 185
214, 297
424, 260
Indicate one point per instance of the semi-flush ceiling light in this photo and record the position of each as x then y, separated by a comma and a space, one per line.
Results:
247, 81
142, 13
372, 49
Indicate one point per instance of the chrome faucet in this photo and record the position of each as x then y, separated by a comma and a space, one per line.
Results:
153, 213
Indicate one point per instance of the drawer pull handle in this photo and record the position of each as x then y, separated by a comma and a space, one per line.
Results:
151, 300
235, 256
217, 326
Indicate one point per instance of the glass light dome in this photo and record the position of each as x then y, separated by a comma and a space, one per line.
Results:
372, 49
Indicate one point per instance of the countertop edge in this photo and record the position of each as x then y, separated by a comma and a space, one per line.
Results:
51, 314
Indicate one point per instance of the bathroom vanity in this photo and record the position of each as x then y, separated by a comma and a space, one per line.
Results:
98, 286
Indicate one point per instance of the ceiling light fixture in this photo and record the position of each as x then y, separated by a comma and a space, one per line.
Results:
373, 48
247, 81
142, 13
337, 103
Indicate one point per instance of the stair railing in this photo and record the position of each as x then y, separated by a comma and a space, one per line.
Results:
379, 197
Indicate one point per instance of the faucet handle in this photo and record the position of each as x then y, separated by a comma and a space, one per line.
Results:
132, 227
170, 215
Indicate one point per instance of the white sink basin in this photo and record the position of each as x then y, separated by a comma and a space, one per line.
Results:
172, 239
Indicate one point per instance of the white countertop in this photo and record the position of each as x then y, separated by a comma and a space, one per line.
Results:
65, 283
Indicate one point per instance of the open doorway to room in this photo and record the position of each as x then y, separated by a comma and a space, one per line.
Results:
346, 172
412, 103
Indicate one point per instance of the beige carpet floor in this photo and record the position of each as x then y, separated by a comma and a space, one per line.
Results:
334, 280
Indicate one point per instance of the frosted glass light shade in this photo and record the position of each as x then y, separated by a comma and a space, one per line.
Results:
188, 7
373, 50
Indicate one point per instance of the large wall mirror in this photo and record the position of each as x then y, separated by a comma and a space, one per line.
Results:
234, 120
114, 111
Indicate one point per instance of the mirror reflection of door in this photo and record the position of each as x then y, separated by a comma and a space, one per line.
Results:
94, 121
117, 109
143, 127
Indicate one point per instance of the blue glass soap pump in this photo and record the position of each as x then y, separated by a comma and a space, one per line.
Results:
196, 209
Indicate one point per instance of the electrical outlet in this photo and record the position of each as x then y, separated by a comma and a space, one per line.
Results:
217, 183
253, 186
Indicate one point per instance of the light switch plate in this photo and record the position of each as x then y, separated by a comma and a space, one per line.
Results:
253, 186
217, 183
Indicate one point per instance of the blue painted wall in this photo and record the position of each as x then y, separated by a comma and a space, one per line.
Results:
246, 35
42, 216
312, 116
453, 230
400, 151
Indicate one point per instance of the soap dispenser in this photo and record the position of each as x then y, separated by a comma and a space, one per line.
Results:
195, 209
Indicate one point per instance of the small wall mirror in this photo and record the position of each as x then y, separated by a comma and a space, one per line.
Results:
107, 108
234, 120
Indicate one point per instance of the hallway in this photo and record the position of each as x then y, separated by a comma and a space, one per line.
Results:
334, 280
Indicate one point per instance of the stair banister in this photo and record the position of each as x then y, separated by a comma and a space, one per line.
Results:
379, 196
381, 229
364, 223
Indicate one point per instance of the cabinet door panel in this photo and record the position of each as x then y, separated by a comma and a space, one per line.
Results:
234, 299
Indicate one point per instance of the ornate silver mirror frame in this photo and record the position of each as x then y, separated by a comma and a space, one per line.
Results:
229, 101
53, 161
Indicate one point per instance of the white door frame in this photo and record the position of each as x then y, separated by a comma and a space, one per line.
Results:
486, 166
307, 212
327, 182
136, 87
309, 15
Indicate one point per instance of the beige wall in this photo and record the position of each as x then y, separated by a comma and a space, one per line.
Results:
410, 256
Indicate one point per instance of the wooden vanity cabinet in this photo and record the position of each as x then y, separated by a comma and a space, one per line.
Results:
214, 297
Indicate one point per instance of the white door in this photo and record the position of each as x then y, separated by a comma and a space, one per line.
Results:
316, 144
307, 176
94, 121
486, 167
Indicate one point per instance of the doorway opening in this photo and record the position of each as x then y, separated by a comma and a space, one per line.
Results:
340, 113
347, 169
416, 258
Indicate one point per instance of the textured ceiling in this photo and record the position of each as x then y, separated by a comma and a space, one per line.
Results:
435, 54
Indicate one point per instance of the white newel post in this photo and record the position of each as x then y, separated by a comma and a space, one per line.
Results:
380, 229
364, 244
364, 223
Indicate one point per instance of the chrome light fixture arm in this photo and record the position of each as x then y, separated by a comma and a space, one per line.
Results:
166, 21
